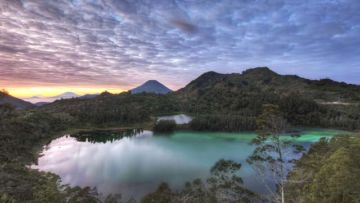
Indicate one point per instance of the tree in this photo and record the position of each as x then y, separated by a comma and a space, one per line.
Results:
5, 198
195, 191
333, 167
164, 126
6, 110
77, 194
338, 178
111, 198
226, 185
4, 91
162, 195
269, 158
223, 185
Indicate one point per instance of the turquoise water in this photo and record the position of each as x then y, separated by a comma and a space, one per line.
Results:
136, 165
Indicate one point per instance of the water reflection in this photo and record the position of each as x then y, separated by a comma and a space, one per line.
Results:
103, 136
136, 164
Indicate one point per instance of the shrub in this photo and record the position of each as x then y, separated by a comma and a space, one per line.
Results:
164, 126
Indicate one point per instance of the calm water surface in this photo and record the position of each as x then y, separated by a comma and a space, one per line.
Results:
136, 165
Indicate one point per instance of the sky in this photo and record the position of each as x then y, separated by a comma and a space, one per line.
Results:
87, 46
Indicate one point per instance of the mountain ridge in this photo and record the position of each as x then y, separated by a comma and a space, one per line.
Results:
6, 98
266, 80
236, 98
43, 100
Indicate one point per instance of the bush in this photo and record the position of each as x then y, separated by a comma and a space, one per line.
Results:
231, 123
164, 126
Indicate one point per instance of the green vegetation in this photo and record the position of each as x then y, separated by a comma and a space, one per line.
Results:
6, 111
223, 185
106, 109
6, 98
270, 153
311, 103
164, 126
104, 135
20, 135
223, 123
329, 172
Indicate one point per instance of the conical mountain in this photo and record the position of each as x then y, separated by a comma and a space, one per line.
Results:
151, 86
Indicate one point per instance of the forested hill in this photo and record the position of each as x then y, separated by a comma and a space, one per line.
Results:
5, 98
263, 80
240, 97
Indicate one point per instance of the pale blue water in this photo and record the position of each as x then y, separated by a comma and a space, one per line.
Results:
136, 165
179, 119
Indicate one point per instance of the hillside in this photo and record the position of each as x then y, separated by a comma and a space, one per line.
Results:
249, 90
264, 80
113, 108
234, 99
5, 98
151, 86
305, 102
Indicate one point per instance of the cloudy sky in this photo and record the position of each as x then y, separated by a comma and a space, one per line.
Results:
49, 46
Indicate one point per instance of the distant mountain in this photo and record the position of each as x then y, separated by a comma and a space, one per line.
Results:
262, 81
66, 95
151, 86
41, 103
39, 100
17, 103
88, 96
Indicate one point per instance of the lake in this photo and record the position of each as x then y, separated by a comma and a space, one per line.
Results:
135, 165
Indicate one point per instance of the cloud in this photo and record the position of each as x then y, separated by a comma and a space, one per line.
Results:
121, 42
184, 25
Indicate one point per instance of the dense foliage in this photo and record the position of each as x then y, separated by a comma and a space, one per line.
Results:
6, 98
223, 185
270, 158
107, 108
223, 123
312, 103
104, 135
20, 135
164, 126
329, 172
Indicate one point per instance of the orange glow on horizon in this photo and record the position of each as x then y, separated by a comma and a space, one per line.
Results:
26, 92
